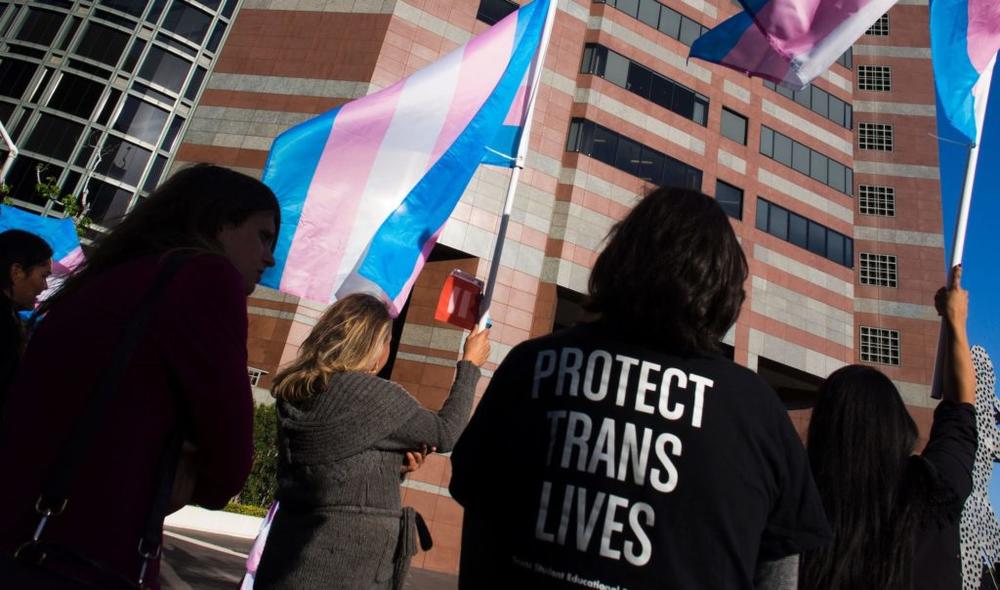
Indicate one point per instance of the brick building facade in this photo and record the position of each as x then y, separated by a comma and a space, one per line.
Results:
833, 191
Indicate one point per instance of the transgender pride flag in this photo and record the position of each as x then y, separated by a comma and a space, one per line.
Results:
59, 233
789, 42
965, 37
366, 188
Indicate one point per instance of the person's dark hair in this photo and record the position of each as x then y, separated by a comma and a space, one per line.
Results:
21, 248
860, 443
672, 272
185, 212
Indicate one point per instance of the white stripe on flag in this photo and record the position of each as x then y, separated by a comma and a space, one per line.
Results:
404, 156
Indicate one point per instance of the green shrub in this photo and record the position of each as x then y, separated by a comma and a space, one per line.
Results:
263, 481
247, 510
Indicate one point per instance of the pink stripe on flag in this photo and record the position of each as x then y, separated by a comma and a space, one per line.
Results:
483, 63
68, 263
984, 32
331, 205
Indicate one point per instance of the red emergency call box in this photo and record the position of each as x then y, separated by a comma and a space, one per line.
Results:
459, 301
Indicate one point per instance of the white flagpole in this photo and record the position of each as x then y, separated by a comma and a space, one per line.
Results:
11, 153
535, 79
962, 221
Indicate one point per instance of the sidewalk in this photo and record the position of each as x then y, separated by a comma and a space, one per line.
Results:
208, 561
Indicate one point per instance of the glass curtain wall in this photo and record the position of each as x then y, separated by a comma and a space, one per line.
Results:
98, 92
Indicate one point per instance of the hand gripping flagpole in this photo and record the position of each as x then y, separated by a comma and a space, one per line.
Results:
962, 221
519, 158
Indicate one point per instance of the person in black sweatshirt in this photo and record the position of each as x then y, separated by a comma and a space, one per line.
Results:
895, 514
25, 265
628, 452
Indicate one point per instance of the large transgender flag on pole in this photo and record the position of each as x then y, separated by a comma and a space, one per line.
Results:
965, 37
789, 42
366, 188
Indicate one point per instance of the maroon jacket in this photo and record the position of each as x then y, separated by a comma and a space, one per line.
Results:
191, 362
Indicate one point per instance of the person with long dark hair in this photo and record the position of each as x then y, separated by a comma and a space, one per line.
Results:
202, 240
894, 514
627, 451
25, 266
343, 434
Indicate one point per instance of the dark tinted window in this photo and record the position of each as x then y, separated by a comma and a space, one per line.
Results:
141, 120
630, 156
16, 76
108, 203
6, 110
127, 6
195, 84
22, 178
71, 31
109, 106
648, 84
777, 223
76, 95
798, 230
102, 44
123, 160
155, 11
216, 38
734, 126
54, 137
165, 69
133, 55
649, 12
187, 21
154, 173
819, 101
800, 157
490, 11
729, 198
805, 233
168, 139
40, 26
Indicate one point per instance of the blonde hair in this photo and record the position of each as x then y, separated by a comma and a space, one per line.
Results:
349, 337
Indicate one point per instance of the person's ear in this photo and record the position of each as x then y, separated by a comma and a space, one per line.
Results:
17, 273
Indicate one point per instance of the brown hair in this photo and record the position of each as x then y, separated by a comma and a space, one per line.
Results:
349, 337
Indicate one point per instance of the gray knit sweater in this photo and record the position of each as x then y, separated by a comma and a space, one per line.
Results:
340, 453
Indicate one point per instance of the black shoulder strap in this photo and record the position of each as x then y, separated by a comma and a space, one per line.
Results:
55, 489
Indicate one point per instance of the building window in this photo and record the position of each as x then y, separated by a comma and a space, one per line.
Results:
847, 58
494, 11
878, 270
734, 126
880, 28
879, 345
783, 149
663, 18
877, 200
875, 136
638, 79
729, 198
875, 78
255, 376
818, 101
804, 233
630, 156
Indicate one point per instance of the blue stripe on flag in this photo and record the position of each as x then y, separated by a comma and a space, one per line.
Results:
954, 74
396, 247
505, 142
289, 171
718, 42
59, 233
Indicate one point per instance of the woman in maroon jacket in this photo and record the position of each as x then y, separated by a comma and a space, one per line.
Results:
188, 368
